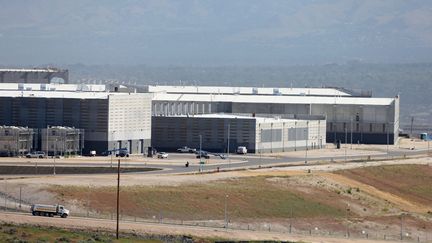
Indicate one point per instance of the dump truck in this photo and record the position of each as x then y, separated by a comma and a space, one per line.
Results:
49, 210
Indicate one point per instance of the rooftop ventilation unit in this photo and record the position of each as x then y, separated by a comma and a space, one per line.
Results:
276, 91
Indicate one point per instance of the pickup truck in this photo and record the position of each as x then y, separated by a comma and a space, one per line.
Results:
203, 154
36, 154
162, 155
49, 210
186, 150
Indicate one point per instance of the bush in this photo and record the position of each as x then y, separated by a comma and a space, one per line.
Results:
62, 239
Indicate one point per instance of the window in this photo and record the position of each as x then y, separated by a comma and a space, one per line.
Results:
384, 127
357, 127
370, 127
357, 117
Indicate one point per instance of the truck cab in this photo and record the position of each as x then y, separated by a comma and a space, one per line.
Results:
62, 211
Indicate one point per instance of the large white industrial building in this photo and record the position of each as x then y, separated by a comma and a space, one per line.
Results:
350, 116
107, 119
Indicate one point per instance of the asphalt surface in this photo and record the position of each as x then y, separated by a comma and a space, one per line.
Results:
238, 162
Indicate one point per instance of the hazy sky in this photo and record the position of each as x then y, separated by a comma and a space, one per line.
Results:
219, 32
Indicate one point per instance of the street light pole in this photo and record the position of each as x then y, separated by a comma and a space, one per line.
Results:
388, 140
228, 146
351, 128
47, 141
55, 151
306, 131
200, 153
118, 198
113, 148
347, 228
401, 226
346, 131
226, 215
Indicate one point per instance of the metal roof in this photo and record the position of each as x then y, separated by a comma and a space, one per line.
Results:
54, 87
274, 99
31, 70
231, 116
248, 90
60, 94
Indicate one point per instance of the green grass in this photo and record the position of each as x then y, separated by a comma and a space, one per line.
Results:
39, 234
248, 198
27, 233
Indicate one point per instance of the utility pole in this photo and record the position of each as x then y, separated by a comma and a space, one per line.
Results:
118, 198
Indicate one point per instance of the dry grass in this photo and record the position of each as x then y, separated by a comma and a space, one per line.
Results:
248, 198
411, 182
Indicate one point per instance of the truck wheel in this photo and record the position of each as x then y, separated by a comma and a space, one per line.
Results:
46, 214
64, 216
51, 215
34, 213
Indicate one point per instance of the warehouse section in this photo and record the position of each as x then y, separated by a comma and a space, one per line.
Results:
217, 132
357, 118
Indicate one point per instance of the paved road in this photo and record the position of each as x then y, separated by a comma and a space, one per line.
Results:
239, 162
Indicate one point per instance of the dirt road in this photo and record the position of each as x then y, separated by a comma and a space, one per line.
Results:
153, 228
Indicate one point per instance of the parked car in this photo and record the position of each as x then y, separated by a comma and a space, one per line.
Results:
186, 149
122, 153
162, 155
203, 155
241, 150
36, 154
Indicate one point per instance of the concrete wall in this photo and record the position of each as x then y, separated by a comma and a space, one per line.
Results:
295, 135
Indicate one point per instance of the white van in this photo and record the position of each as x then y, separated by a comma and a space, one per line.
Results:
241, 150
